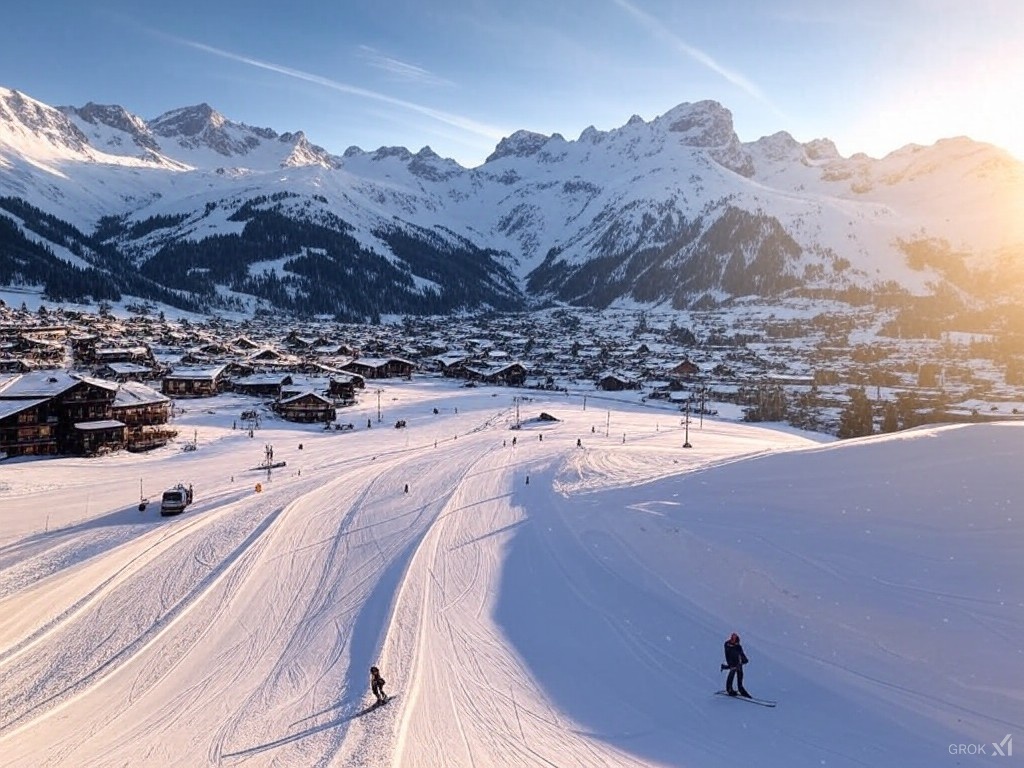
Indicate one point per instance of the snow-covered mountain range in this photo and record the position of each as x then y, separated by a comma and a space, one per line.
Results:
195, 209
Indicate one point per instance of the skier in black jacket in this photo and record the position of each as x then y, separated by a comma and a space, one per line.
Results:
377, 685
735, 658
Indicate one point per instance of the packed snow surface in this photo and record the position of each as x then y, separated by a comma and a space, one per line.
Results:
536, 603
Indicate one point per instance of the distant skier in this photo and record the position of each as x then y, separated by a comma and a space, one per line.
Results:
735, 658
377, 685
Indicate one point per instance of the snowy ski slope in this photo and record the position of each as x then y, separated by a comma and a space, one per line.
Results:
573, 620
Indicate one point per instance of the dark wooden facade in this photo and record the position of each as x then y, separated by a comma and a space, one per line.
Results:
614, 382
307, 407
195, 382
28, 428
87, 438
685, 370
343, 386
261, 384
138, 405
512, 374
39, 412
380, 367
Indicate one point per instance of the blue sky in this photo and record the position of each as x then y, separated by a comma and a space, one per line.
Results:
459, 74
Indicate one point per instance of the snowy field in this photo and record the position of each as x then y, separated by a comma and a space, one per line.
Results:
536, 604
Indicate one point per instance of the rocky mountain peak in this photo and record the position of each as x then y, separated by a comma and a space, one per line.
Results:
304, 152
383, 153
187, 121
203, 126
822, 149
429, 165
26, 116
118, 118
702, 124
519, 144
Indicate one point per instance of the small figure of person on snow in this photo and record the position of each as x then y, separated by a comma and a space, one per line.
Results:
735, 658
377, 685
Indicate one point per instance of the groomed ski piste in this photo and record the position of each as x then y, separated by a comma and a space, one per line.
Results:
574, 619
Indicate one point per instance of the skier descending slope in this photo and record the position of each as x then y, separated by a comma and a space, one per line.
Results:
735, 658
377, 685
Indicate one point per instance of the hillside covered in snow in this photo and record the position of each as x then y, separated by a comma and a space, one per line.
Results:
195, 210
556, 594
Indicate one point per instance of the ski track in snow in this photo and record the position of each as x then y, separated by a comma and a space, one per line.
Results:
572, 620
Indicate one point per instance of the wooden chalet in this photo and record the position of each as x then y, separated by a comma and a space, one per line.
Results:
449, 363
266, 355
144, 412
617, 382
138, 405
214, 349
122, 355
683, 370
509, 374
195, 382
306, 407
83, 346
343, 386
380, 367
15, 365
125, 371
87, 438
88, 399
39, 349
296, 341
28, 427
244, 343
39, 412
261, 384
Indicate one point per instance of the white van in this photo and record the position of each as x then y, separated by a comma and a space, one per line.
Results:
175, 500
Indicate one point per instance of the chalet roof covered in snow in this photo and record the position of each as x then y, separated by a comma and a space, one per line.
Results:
380, 362
126, 369
108, 351
208, 373
101, 383
93, 426
268, 378
308, 394
11, 407
133, 393
35, 384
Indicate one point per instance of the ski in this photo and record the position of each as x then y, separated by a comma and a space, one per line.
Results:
759, 702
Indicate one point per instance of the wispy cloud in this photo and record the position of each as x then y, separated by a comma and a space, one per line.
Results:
400, 70
658, 29
461, 122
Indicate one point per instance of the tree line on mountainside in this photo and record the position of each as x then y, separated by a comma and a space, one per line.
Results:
310, 267
105, 274
738, 253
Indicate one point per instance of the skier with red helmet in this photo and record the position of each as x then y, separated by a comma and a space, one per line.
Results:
735, 658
